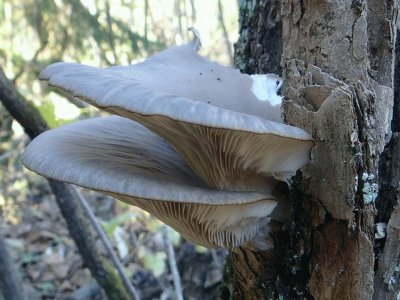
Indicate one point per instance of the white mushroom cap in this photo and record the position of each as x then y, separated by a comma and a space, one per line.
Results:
125, 160
206, 111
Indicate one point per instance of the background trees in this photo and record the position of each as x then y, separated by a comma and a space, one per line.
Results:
337, 60
34, 34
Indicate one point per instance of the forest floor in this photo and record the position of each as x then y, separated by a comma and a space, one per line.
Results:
52, 268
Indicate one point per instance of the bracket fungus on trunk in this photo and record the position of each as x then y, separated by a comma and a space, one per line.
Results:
206, 156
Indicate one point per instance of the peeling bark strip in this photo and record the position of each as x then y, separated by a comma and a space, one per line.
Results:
337, 61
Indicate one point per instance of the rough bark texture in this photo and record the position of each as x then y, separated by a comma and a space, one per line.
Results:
259, 48
337, 61
387, 276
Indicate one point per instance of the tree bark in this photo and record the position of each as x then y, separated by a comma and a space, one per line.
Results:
338, 66
259, 47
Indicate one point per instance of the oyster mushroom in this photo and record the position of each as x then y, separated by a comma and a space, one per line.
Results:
209, 159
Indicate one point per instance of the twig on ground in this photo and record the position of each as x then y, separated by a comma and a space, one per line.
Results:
106, 242
216, 259
172, 263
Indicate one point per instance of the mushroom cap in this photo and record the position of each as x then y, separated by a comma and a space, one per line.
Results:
127, 161
206, 111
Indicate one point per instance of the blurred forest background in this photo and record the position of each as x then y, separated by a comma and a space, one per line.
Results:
35, 33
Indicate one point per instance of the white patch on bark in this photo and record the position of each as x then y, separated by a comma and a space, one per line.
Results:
266, 86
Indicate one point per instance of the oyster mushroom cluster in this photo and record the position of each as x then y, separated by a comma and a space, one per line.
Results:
198, 145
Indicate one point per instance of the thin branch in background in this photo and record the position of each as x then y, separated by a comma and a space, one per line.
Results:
31, 62
146, 25
96, 33
77, 221
172, 263
110, 33
9, 154
42, 35
106, 242
186, 17
225, 32
216, 259
22, 111
193, 9
178, 14
156, 29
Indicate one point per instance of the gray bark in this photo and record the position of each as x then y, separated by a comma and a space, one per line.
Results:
338, 66
338, 59
259, 48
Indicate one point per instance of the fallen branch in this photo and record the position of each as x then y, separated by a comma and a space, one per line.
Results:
106, 242
172, 263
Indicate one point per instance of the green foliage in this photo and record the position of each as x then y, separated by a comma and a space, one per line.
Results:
36, 33
176, 237
118, 220
46, 286
117, 290
29, 258
47, 111
153, 261
200, 249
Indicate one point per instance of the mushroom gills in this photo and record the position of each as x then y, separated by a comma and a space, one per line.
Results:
210, 226
122, 158
228, 159
220, 150
207, 112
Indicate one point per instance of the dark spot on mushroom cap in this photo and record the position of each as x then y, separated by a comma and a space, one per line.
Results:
201, 73
218, 78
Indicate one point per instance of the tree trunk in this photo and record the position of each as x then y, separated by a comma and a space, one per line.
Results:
338, 66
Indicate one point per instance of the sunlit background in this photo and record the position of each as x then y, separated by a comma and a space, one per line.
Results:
35, 33
103, 33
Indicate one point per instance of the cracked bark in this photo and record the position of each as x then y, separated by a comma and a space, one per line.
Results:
338, 65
